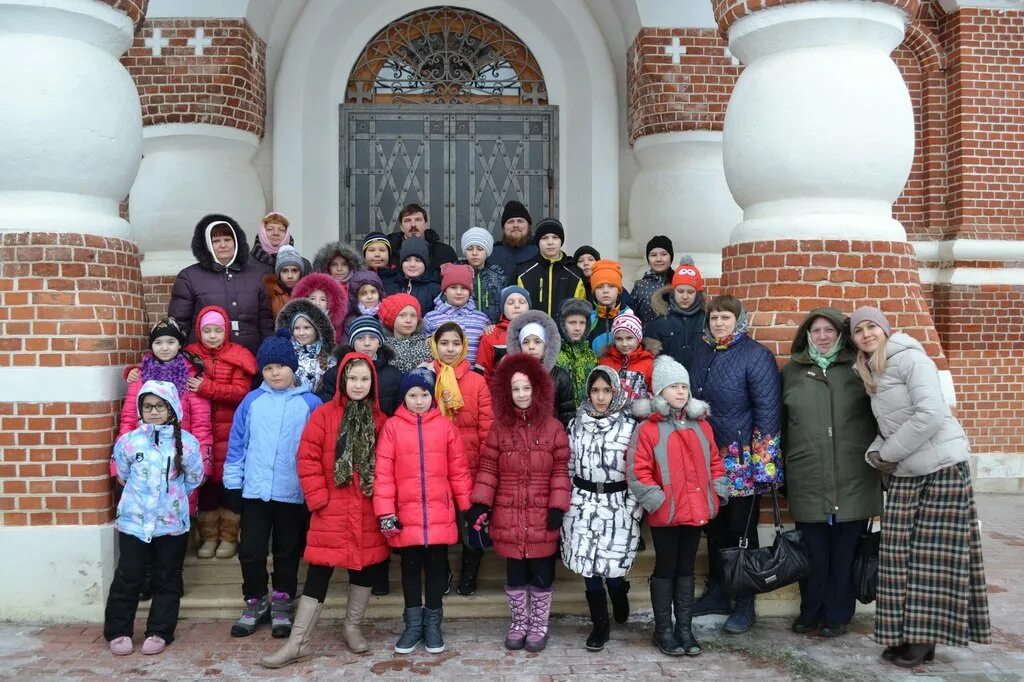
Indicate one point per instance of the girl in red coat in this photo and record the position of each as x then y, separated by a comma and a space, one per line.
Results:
677, 475
633, 363
523, 486
225, 381
463, 397
421, 476
336, 463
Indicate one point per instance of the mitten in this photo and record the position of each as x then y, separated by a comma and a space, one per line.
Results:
555, 518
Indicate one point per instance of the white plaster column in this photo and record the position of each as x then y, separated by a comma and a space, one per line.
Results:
189, 170
819, 133
70, 124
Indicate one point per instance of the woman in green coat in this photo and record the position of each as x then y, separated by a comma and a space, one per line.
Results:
827, 428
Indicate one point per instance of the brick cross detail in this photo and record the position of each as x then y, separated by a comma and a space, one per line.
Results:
676, 51
157, 43
200, 42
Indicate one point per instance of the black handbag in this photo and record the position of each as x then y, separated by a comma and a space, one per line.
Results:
755, 571
865, 565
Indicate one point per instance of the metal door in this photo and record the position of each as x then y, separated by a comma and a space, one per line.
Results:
460, 162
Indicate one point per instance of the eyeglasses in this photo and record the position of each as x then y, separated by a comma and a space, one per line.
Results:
154, 408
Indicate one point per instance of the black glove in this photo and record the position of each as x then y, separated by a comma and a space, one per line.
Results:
555, 518
234, 496
876, 461
474, 513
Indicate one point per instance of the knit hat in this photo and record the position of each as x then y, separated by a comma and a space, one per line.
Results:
376, 238
415, 246
365, 324
361, 278
630, 323
586, 250
452, 274
278, 350
687, 273
606, 272
212, 317
874, 315
660, 241
548, 226
532, 329
667, 372
478, 236
394, 304
288, 255
514, 289
167, 326
519, 376
420, 377
514, 209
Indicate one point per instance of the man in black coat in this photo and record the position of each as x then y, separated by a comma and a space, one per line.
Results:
516, 245
412, 222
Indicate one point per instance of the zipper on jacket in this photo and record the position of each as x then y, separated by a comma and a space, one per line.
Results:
832, 444
423, 481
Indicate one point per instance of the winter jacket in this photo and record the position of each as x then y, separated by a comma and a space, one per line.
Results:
337, 300
827, 428
915, 426
279, 296
510, 259
425, 288
237, 287
422, 477
674, 469
634, 370
438, 252
601, 338
551, 281
389, 378
492, 349
643, 289
524, 465
476, 416
741, 383
227, 379
565, 404
411, 351
343, 530
488, 282
155, 498
265, 436
576, 357
601, 531
472, 321
673, 331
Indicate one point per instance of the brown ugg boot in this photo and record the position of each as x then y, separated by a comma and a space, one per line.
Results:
229, 523
209, 533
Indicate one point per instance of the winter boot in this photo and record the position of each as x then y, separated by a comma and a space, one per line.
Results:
281, 606
742, 617
714, 600
257, 610
661, 604
682, 602
229, 523
598, 603
413, 633
209, 533
620, 602
540, 613
519, 605
433, 641
355, 609
382, 586
470, 569
296, 649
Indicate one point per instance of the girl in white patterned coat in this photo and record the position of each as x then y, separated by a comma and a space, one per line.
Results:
601, 530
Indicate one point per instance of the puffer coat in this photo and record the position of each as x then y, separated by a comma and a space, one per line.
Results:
488, 282
524, 465
551, 281
421, 477
673, 331
642, 291
915, 426
279, 296
476, 416
564, 396
826, 429
492, 348
343, 530
634, 370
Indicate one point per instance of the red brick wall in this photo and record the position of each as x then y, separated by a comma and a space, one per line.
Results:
156, 291
225, 86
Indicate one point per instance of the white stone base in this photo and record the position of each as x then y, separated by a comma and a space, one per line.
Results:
56, 573
998, 472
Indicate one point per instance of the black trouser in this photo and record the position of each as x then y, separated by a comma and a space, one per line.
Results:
164, 558
596, 583
827, 594
675, 550
212, 496
419, 561
319, 577
532, 572
285, 522
726, 529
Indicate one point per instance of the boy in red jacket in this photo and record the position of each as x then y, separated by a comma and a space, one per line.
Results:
677, 476
632, 362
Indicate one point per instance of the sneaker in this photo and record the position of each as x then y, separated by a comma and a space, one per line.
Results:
257, 610
153, 645
280, 615
121, 646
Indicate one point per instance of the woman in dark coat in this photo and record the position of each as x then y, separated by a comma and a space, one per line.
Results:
827, 427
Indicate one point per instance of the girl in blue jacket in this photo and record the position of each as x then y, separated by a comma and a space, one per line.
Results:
262, 485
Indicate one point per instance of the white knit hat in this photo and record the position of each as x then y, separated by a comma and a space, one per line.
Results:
532, 329
478, 236
667, 372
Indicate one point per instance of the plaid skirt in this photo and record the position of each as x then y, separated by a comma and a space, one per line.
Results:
931, 578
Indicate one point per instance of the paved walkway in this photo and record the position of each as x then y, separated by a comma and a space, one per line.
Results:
769, 651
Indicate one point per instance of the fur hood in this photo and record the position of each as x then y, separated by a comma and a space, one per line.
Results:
552, 344
505, 411
202, 252
322, 324
327, 252
337, 303
574, 306
657, 407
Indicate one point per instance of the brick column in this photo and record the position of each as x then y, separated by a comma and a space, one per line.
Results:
70, 297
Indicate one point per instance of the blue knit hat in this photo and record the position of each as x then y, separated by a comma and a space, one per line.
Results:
365, 324
513, 289
278, 350
420, 377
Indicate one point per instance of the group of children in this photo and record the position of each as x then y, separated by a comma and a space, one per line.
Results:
396, 413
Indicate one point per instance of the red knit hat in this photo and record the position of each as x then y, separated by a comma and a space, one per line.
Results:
687, 273
394, 304
452, 273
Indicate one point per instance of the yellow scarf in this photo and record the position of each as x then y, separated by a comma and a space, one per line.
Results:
446, 388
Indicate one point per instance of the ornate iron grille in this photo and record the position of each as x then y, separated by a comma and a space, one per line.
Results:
444, 55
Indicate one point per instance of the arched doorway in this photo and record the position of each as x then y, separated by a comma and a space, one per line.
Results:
446, 108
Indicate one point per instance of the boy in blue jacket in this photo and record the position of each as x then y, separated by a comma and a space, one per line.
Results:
262, 485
